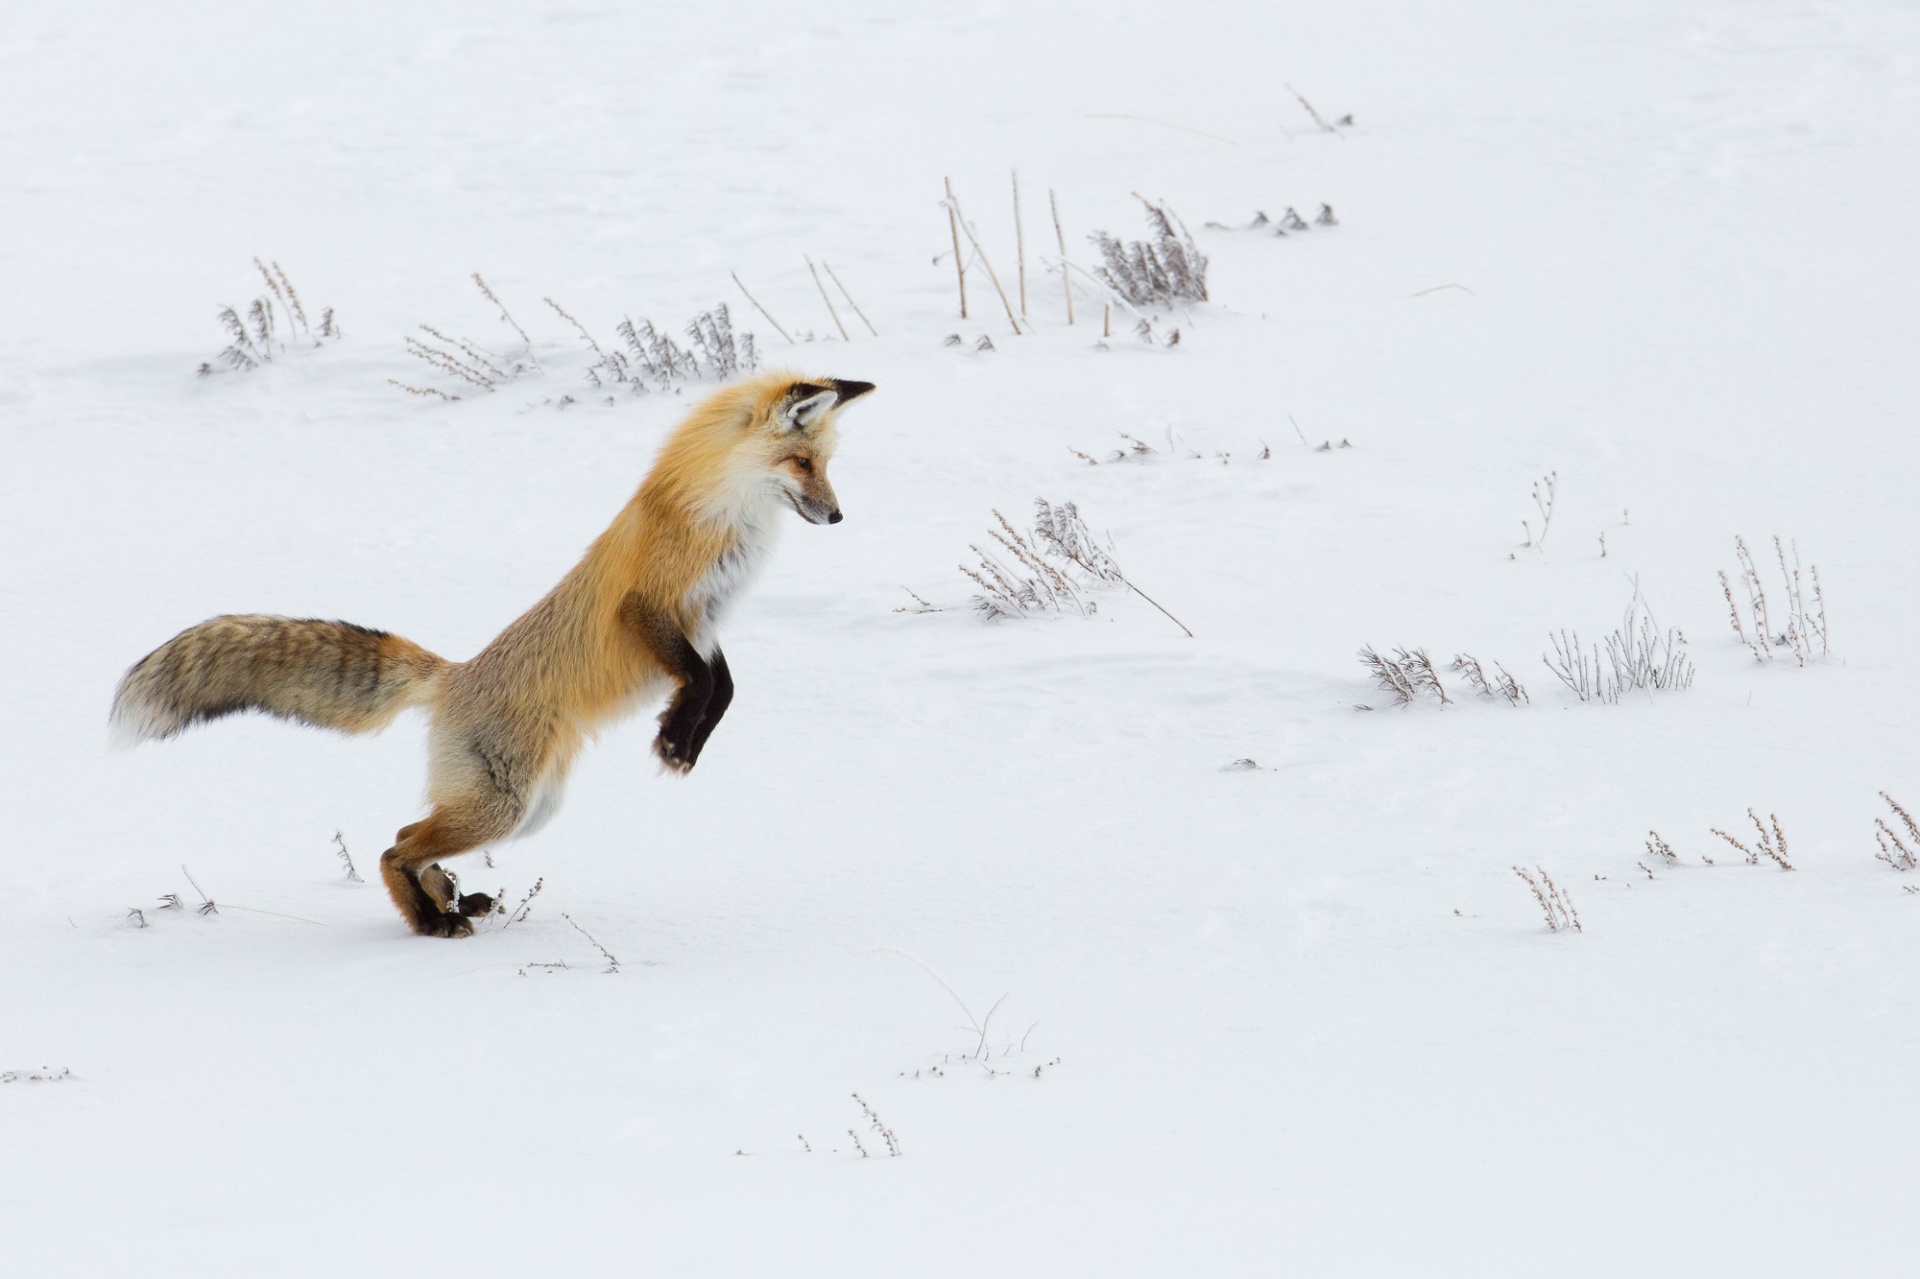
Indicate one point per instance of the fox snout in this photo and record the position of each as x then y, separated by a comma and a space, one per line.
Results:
818, 506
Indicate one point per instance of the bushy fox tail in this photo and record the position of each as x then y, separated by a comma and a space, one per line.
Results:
329, 674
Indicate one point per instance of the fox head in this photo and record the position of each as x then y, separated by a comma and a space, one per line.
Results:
792, 438
757, 446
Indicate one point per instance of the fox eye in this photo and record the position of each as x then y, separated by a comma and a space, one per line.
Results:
805, 464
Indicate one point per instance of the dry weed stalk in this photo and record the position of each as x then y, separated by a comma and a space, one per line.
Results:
1009, 592
1555, 902
1020, 244
1168, 268
206, 906
613, 964
1061, 544
1803, 625
1772, 843
1894, 851
346, 858
578, 327
1501, 685
993, 277
455, 358
651, 357
507, 317
1063, 534
525, 907
1544, 490
959, 259
828, 268
1406, 676
255, 335
1066, 278
1637, 655
778, 327
1661, 849
886, 1133
831, 310
1317, 117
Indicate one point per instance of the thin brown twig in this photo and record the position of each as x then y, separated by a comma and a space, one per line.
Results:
761, 309
1066, 280
987, 262
959, 261
828, 268
828, 300
1020, 244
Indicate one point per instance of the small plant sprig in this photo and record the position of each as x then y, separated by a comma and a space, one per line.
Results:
269, 323
1659, 848
1059, 546
613, 963
1034, 586
206, 906
346, 858
1893, 850
1407, 676
873, 1120
1544, 491
1555, 902
525, 907
1637, 655
506, 317
1772, 844
1500, 686
1804, 626
651, 358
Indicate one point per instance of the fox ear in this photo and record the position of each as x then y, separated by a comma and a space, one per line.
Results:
804, 412
850, 391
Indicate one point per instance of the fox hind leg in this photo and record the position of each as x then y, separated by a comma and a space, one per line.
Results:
422, 890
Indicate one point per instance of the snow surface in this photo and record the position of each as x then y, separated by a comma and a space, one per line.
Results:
1298, 1019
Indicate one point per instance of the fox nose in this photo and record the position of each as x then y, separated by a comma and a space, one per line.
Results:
835, 518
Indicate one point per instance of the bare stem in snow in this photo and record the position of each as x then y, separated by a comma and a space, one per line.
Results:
828, 268
959, 259
761, 309
828, 300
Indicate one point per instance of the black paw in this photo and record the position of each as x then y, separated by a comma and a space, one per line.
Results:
675, 750
444, 926
474, 904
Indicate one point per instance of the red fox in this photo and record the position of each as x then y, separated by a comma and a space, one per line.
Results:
636, 614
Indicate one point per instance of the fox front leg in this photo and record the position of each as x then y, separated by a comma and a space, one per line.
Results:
717, 704
679, 741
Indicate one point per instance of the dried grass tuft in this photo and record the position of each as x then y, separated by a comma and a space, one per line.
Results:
1545, 489
268, 325
1772, 843
1051, 568
1555, 902
1407, 676
1636, 655
1804, 626
1895, 851
1499, 686
653, 360
1659, 847
1160, 271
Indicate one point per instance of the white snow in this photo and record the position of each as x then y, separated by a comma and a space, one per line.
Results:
1295, 1019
